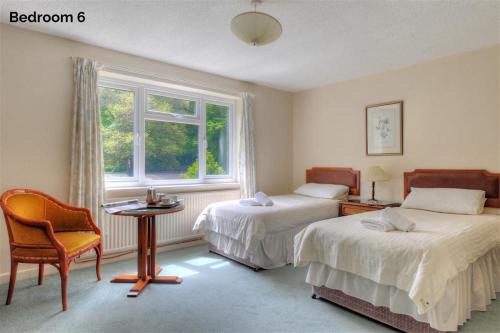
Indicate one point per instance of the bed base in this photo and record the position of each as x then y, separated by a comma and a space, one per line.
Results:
242, 261
382, 314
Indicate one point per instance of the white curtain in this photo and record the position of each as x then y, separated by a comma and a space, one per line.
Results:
87, 179
247, 148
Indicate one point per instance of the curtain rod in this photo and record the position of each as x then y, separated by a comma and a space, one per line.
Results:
119, 69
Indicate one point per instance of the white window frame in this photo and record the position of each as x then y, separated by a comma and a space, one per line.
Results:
231, 135
120, 85
142, 114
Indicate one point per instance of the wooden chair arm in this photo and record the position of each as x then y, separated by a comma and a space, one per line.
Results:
78, 210
45, 225
88, 216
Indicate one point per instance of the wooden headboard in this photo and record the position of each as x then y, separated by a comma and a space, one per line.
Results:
449, 178
340, 176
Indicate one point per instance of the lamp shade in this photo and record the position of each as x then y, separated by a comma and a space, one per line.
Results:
256, 28
376, 174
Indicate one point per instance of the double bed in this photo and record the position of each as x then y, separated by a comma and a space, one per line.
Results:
262, 237
427, 280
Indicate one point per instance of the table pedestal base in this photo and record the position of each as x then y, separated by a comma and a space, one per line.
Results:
140, 284
146, 260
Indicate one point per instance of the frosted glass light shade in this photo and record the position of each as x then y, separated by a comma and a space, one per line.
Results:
376, 174
256, 28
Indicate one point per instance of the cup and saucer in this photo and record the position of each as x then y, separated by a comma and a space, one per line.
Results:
169, 201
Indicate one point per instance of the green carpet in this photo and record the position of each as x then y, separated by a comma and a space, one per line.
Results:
217, 295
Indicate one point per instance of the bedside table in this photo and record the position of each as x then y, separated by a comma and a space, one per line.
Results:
351, 207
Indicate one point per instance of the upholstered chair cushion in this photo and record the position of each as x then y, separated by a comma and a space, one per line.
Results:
73, 242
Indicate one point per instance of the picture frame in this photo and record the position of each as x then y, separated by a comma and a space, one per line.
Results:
384, 129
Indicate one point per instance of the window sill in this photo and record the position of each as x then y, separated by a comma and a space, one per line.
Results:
129, 192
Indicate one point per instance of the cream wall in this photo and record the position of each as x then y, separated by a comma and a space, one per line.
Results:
451, 119
35, 130
273, 129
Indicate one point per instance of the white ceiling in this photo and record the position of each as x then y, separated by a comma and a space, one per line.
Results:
322, 42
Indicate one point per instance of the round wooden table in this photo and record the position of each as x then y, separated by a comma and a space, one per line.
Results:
147, 271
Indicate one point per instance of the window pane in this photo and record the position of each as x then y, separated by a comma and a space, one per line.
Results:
217, 139
117, 131
171, 150
171, 105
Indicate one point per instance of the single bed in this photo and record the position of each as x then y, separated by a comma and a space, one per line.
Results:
428, 280
262, 237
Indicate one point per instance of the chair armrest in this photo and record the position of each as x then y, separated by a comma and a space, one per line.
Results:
70, 218
81, 218
47, 233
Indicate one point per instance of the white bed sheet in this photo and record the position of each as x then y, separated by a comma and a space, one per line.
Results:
472, 290
275, 250
249, 224
262, 235
419, 262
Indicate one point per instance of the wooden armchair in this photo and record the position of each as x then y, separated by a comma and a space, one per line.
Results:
43, 230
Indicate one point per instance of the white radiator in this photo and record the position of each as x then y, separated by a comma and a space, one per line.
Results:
120, 232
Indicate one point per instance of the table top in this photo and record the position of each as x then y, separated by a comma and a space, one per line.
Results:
150, 211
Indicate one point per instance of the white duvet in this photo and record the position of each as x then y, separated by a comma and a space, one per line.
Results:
419, 262
249, 224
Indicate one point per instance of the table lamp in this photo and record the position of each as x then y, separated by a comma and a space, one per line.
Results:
376, 174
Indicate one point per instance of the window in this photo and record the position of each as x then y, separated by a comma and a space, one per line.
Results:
154, 135
171, 150
117, 130
157, 103
217, 139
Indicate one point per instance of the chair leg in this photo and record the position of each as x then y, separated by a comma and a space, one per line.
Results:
63, 271
41, 269
98, 251
12, 282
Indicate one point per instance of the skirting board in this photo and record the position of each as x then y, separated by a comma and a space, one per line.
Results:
32, 271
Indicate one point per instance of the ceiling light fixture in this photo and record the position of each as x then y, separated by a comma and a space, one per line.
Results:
256, 28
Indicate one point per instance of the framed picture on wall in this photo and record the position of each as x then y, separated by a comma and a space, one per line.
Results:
384, 129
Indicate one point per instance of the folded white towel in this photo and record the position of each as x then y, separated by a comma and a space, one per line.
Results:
401, 222
263, 199
377, 224
249, 202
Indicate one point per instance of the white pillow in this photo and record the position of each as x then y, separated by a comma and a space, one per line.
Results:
446, 200
326, 191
